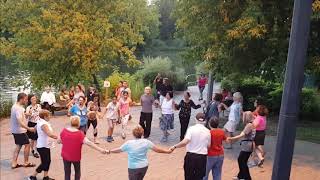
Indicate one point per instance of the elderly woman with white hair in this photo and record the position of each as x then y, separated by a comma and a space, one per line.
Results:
72, 140
234, 115
247, 146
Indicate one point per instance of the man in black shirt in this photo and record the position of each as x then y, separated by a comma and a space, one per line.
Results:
164, 89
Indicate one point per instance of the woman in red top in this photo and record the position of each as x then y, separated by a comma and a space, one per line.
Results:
215, 152
72, 139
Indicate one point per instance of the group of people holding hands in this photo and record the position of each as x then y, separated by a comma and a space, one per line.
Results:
203, 141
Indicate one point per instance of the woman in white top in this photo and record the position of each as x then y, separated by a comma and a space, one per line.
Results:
166, 120
234, 115
32, 114
44, 131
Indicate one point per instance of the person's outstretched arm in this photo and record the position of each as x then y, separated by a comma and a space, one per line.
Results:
161, 150
92, 145
194, 106
183, 143
46, 129
116, 150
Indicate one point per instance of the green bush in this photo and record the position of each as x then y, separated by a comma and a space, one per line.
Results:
152, 66
271, 94
135, 84
5, 108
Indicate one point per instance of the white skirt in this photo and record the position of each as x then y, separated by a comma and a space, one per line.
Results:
231, 126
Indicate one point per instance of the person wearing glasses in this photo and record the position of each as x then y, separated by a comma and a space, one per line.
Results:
81, 110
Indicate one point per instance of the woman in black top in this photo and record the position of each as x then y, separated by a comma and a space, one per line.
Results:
185, 113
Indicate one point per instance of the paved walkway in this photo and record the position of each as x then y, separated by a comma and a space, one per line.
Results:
306, 163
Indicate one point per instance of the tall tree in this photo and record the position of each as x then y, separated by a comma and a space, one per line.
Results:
247, 37
68, 41
167, 26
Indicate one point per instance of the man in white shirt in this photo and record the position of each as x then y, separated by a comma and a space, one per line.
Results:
197, 141
47, 99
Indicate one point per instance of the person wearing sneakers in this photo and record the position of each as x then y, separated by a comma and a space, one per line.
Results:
44, 131
124, 106
197, 141
246, 147
32, 114
112, 114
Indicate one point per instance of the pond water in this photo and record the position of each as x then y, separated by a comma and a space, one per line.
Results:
12, 81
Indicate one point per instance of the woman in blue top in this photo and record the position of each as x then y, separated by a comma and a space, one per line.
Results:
81, 111
137, 154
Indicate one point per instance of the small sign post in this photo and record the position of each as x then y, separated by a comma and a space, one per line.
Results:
106, 84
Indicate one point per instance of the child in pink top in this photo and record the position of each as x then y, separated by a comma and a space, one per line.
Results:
124, 106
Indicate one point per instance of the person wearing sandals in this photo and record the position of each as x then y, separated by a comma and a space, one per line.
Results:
137, 150
234, 115
260, 123
44, 131
72, 140
167, 118
124, 106
32, 113
247, 146
19, 130
185, 106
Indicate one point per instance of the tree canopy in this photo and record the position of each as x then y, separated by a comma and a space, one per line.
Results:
66, 41
245, 37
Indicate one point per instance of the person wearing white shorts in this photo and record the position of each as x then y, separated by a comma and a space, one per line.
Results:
112, 114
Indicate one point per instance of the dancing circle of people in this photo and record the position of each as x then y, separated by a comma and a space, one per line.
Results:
205, 141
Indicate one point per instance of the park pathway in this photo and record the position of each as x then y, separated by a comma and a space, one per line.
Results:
95, 166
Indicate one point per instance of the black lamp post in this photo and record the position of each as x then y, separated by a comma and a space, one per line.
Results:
292, 88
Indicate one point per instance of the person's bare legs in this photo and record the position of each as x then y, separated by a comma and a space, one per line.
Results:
15, 155
26, 153
110, 131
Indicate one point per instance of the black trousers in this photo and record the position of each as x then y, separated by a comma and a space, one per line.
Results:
145, 123
243, 165
48, 107
45, 157
194, 166
94, 124
184, 122
137, 174
67, 170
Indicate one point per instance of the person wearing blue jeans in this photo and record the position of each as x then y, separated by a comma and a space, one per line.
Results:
214, 164
215, 152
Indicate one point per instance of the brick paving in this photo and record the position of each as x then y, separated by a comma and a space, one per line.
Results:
95, 166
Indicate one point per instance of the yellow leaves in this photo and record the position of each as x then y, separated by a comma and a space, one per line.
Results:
316, 6
246, 28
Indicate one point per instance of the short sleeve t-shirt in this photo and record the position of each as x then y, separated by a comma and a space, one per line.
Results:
147, 102
82, 113
16, 112
71, 145
112, 110
235, 112
200, 139
43, 140
217, 137
137, 152
249, 132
